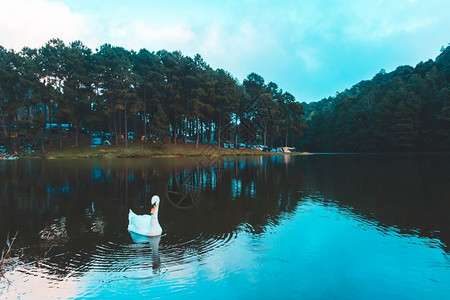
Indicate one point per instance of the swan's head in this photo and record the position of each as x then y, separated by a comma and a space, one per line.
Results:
154, 204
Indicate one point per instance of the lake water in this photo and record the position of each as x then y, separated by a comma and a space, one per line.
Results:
270, 227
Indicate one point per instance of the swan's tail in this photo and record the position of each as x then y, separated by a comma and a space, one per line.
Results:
131, 216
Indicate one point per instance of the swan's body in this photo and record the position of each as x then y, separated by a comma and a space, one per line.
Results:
147, 225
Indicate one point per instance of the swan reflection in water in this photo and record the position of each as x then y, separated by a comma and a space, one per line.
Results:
154, 246
146, 228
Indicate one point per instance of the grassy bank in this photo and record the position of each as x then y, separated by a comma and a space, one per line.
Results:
140, 150
64, 147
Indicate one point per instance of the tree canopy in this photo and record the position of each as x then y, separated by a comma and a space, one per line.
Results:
122, 94
407, 109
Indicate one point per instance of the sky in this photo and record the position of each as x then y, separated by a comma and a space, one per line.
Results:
309, 48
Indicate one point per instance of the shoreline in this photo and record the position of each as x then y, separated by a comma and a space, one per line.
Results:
139, 150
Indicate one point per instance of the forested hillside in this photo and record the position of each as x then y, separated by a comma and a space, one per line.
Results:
166, 96
404, 110
143, 95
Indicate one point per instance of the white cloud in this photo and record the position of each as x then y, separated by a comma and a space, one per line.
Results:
223, 40
140, 34
32, 23
172, 37
375, 21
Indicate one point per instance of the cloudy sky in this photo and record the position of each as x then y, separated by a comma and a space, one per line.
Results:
310, 48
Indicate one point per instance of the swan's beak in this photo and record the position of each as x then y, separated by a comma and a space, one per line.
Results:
152, 209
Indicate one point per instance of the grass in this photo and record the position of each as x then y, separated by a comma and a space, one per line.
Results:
139, 150
6, 261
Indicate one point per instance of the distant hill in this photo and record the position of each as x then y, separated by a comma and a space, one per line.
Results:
407, 109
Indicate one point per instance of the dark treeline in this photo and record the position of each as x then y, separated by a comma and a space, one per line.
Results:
165, 95
161, 96
404, 110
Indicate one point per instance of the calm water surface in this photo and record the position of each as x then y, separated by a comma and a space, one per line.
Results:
273, 227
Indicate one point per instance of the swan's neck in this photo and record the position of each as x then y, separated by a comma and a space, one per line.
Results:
155, 228
154, 218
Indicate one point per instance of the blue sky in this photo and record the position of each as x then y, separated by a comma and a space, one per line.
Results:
310, 48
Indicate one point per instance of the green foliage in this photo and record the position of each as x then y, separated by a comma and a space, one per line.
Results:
404, 110
157, 95
165, 94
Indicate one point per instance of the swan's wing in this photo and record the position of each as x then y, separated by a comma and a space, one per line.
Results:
139, 224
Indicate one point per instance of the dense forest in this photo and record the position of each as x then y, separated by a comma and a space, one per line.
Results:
61, 92
404, 110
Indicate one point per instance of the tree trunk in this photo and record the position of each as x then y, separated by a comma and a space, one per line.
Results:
50, 121
126, 127
77, 132
60, 136
135, 132
110, 129
202, 131
120, 122
236, 134
115, 131
218, 137
186, 129
2, 122
175, 132
220, 128
45, 114
208, 132
42, 143
286, 144
145, 124
145, 117
198, 136
265, 134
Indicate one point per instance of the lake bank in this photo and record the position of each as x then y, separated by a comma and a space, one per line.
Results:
140, 150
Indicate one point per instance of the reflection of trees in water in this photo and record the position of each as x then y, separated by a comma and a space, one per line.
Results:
73, 206
407, 191
239, 191
64, 209
185, 187
89, 196
411, 192
86, 202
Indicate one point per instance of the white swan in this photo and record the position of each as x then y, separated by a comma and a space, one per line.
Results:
147, 225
